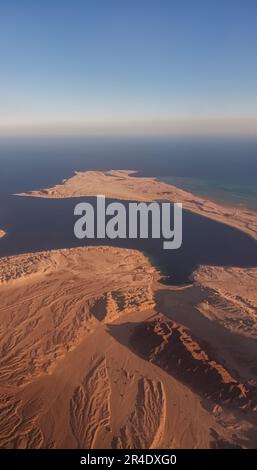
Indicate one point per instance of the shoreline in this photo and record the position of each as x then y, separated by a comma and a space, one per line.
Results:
226, 202
102, 327
122, 185
2, 234
94, 325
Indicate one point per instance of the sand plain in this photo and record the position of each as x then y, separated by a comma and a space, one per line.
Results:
97, 352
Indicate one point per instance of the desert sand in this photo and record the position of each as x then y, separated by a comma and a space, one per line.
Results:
123, 185
90, 357
97, 352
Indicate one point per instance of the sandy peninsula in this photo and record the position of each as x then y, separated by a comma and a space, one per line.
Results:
2, 233
236, 287
124, 185
97, 352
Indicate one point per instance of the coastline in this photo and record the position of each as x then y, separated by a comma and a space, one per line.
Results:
2, 234
93, 328
226, 194
122, 185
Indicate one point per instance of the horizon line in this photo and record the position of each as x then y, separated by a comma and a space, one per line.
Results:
179, 127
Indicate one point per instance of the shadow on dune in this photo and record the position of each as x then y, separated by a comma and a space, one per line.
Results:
178, 309
173, 348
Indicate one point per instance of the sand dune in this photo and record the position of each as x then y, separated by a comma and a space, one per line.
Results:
145, 426
90, 406
87, 361
50, 304
235, 295
172, 346
96, 352
47, 304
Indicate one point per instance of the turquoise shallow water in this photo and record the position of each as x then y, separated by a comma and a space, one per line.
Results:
225, 192
35, 224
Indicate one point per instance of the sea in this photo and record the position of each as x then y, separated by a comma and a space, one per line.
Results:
220, 169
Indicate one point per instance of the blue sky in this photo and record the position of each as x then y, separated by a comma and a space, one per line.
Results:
114, 66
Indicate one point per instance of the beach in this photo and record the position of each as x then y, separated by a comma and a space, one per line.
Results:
125, 185
98, 352
88, 337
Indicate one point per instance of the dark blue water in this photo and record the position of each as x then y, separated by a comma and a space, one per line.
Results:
40, 224
35, 224
35, 162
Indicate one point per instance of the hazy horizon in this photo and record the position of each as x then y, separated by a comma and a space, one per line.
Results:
139, 68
